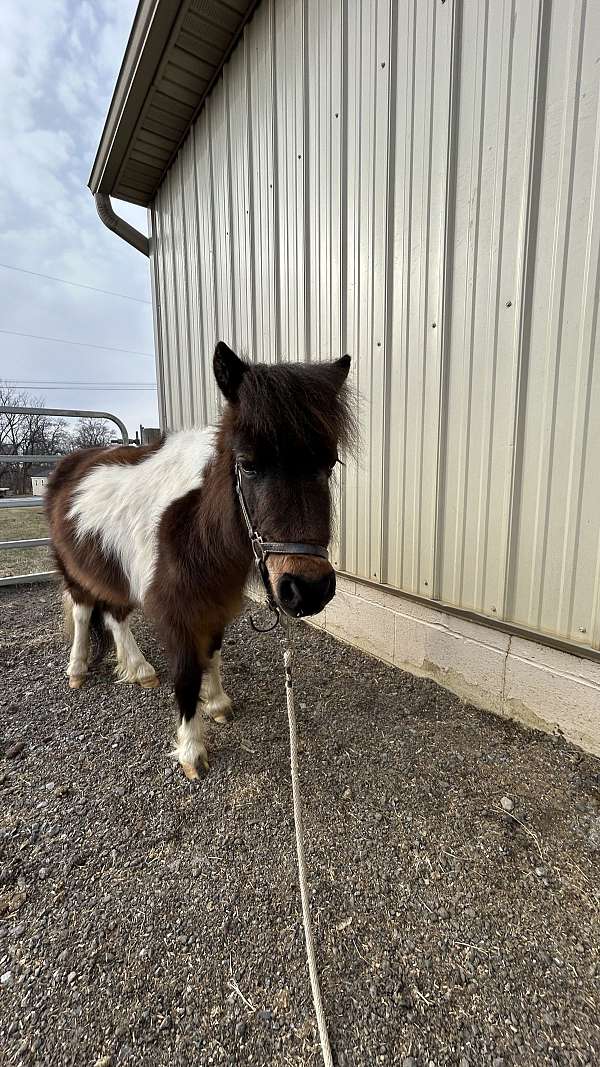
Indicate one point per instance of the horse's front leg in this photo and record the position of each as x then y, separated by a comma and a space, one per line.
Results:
214, 699
190, 748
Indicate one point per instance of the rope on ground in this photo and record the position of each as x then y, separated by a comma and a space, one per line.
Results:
303, 880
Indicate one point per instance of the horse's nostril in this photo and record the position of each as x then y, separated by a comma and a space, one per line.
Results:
289, 593
305, 596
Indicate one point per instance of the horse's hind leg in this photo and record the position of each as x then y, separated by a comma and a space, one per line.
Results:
78, 612
215, 701
132, 666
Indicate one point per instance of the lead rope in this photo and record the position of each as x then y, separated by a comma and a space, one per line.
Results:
302, 876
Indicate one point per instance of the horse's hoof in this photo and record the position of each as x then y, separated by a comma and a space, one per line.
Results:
224, 716
224, 720
149, 683
220, 710
197, 770
76, 681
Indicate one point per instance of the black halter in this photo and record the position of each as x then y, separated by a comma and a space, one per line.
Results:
263, 549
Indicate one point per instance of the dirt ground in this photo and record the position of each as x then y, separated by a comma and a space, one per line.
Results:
148, 920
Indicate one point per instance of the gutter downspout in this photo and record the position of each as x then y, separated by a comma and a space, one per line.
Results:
133, 237
119, 226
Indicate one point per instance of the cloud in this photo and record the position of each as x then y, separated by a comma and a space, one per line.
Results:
58, 64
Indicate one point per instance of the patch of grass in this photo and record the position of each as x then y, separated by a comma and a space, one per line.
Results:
17, 524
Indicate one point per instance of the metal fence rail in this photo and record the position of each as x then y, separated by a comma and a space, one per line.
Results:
38, 501
23, 501
73, 413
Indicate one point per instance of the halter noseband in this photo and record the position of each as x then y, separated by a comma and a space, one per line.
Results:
261, 550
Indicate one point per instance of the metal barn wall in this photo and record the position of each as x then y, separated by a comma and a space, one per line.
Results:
416, 183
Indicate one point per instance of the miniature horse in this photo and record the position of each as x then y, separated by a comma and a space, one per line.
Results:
161, 527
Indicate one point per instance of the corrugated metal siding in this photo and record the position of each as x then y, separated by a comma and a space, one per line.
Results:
417, 184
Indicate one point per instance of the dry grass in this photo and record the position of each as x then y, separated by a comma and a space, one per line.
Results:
17, 524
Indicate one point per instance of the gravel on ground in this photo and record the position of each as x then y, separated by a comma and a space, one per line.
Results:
147, 920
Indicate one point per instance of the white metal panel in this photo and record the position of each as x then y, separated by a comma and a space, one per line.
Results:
495, 94
416, 184
326, 33
422, 56
260, 46
366, 221
220, 147
290, 178
194, 320
181, 286
242, 229
171, 346
206, 257
557, 504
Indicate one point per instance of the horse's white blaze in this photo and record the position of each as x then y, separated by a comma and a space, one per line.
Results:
132, 665
78, 660
214, 698
123, 504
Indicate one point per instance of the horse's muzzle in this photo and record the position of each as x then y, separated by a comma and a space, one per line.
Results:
299, 596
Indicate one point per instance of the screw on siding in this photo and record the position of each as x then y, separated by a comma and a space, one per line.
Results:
582, 630
337, 114
433, 325
509, 303
494, 609
425, 583
382, 65
379, 344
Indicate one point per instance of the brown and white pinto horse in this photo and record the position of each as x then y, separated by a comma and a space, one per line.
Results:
161, 527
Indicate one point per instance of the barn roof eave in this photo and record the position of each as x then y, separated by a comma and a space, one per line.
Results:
175, 53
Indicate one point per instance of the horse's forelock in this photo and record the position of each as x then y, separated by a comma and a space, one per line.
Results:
301, 405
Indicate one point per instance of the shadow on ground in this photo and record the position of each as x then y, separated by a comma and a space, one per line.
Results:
146, 920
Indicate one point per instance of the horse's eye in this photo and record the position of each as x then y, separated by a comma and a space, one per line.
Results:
248, 468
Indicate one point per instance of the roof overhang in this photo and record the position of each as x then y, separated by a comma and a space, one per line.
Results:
174, 55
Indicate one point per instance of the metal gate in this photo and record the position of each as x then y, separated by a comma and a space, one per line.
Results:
37, 501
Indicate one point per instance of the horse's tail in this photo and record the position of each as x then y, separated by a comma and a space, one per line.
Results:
98, 632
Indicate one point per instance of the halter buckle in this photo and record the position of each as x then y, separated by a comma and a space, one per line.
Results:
256, 542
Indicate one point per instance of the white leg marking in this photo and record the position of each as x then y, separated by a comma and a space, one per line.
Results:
131, 663
78, 660
190, 749
214, 699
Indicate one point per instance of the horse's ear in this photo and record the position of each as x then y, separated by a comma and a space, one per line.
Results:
229, 370
339, 370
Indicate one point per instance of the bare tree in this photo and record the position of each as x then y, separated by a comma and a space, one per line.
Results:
28, 434
91, 433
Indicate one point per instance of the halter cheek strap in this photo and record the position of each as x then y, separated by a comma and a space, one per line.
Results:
263, 549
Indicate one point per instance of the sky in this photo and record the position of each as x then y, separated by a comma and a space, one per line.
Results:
59, 61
